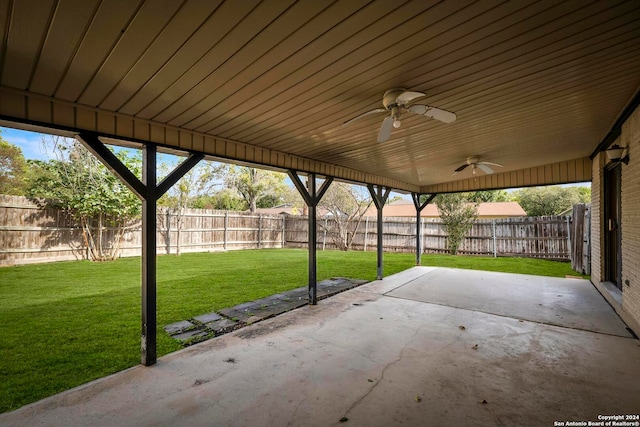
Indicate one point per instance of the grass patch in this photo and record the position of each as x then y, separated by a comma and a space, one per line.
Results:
67, 323
538, 267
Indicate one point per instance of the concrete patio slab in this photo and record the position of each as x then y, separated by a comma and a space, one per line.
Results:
370, 359
572, 303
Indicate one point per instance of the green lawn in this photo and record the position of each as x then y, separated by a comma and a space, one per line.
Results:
64, 324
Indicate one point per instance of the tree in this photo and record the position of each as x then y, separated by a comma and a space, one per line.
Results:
347, 205
551, 200
457, 214
182, 194
485, 196
293, 198
78, 183
223, 199
256, 185
12, 169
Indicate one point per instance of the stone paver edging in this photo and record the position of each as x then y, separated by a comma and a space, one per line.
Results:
206, 326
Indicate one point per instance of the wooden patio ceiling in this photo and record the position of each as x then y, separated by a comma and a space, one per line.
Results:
536, 85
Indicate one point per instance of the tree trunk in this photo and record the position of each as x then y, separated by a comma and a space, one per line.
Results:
100, 241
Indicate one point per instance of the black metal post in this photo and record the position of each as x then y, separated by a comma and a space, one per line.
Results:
313, 242
379, 194
149, 202
312, 197
419, 207
148, 190
379, 245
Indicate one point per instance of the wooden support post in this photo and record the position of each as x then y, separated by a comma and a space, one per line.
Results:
419, 207
312, 197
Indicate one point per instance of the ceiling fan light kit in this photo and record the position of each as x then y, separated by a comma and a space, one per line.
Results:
396, 102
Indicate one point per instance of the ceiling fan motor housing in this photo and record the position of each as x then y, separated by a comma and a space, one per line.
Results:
390, 97
473, 160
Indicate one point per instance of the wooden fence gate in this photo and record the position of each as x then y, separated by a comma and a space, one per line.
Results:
581, 239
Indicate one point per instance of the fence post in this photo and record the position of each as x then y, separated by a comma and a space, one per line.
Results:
570, 248
324, 237
495, 249
420, 230
259, 230
226, 227
284, 228
168, 232
366, 233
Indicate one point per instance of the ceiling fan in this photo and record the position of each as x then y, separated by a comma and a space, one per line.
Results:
475, 163
397, 102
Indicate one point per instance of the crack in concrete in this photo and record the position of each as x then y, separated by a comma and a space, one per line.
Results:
295, 411
388, 365
405, 283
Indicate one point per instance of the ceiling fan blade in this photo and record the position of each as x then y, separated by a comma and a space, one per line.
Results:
385, 129
491, 163
433, 112
377, 110
462, 167
407, 96
484, 168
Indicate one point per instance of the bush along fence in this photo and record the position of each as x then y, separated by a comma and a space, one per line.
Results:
30, 234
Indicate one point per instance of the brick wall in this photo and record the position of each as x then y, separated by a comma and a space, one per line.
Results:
630, 223
596, 220
629, 307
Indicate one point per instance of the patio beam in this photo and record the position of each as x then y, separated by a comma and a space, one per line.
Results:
379, 194
419, 207
179, 172
312, 196
92, 142
149, 192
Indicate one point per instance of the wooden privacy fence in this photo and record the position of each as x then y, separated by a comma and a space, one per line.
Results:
208, 230
581, 239
536, 237
30, 234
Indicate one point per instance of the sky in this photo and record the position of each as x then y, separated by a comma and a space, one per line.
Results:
32, 148
29, 142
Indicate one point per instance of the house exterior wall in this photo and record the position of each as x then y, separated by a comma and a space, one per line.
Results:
629, 305
596, 220
630, 198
